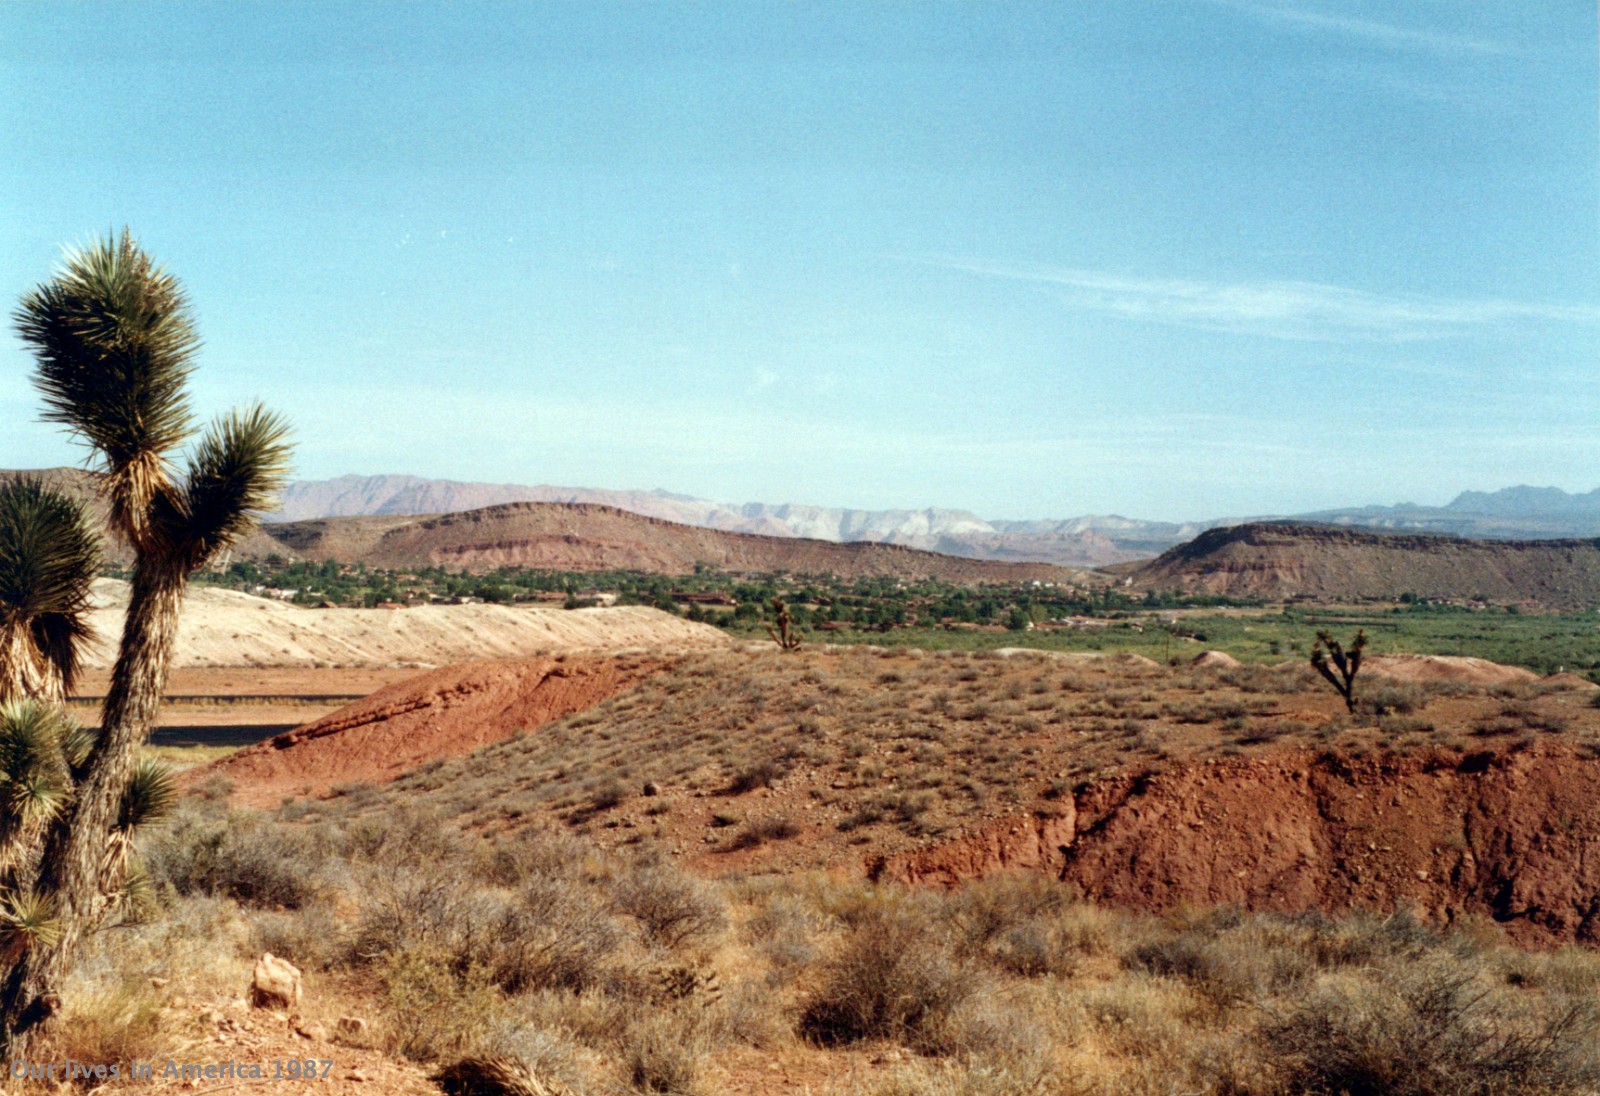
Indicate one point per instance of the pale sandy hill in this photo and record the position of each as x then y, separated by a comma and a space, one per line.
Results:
1094, 659
1473, 671
224, 628
1570, 680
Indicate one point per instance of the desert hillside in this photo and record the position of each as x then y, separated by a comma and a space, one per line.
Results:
1145, 785
1331, 564
224, 628
579, 537
439, 714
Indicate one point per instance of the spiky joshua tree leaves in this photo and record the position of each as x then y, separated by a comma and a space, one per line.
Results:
1347, 663
43, 756
49, 556
114, 344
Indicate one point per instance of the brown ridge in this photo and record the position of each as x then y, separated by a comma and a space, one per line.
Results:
1329, 563
585, 537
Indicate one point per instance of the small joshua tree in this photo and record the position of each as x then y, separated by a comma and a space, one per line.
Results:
783, 630
1347, 663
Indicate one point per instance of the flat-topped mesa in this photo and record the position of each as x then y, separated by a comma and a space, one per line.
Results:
1272, 560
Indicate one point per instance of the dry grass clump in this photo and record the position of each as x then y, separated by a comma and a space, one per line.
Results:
671, 908
758, 831
664, 1054
1384, 696
888, 980
1432, 1028
433, 1007
1025, 925
240, 856
114, 1023
783, 934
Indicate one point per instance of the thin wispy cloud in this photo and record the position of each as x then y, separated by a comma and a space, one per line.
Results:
1384, 35
1280, 309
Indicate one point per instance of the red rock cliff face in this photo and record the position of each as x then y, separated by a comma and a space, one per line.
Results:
1514, 836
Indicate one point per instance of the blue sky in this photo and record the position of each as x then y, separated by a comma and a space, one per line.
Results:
1166, 258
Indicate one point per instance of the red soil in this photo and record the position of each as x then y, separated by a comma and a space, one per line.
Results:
1511, 834
444, 713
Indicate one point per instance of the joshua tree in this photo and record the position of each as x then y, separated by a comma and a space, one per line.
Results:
783, 630
114, 342
1348, 663
43, 754
48, 559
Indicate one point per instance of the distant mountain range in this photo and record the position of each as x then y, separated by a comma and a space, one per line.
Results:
1090, 541
1512, 513
1515, 513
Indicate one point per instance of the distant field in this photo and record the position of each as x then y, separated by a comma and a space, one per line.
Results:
1544, 643
886, 612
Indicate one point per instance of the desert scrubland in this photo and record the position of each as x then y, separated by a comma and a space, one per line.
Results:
726, 869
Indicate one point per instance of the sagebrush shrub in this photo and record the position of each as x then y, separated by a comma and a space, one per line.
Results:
239, 856
1432, 1029
888, 980
671, 908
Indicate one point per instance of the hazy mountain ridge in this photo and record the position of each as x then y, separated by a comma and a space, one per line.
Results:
1094, 540
1085, 541
1523, 502
1513, 513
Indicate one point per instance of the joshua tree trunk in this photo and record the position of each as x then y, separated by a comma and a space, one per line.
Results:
26, 674
75, 866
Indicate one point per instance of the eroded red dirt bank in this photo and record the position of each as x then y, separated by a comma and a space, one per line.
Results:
446, 713
1513, 834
